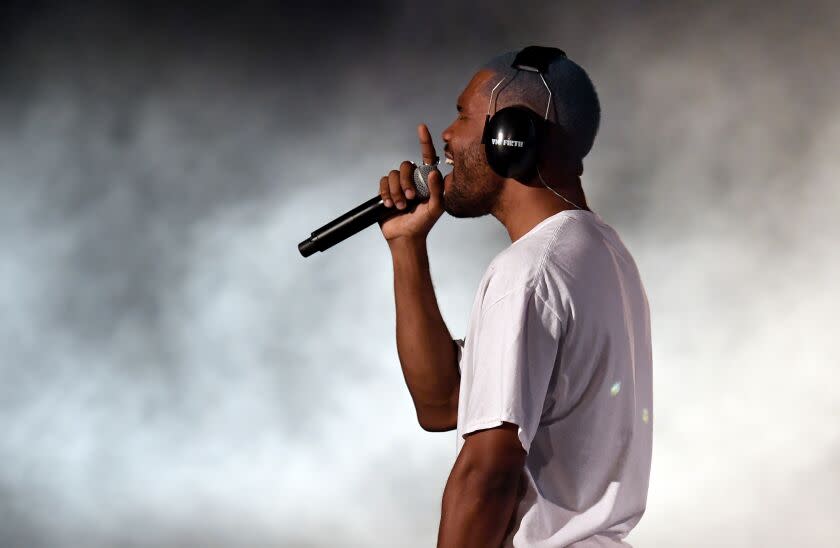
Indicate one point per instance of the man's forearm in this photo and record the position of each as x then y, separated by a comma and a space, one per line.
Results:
425, 347
476, 512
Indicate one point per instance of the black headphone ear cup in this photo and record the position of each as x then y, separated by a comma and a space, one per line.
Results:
512, 138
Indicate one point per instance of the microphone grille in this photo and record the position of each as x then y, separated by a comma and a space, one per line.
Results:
421, 179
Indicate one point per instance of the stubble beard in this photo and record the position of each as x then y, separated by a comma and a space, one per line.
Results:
474, 188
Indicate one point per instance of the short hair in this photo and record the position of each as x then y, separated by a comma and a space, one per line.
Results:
575, 105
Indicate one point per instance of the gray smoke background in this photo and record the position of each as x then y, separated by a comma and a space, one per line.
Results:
174, 373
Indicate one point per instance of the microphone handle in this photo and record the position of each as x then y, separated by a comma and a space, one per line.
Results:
352, 222
363, 216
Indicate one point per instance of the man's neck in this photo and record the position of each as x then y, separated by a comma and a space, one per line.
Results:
523, 208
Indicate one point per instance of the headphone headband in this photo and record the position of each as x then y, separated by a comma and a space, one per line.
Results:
536, 58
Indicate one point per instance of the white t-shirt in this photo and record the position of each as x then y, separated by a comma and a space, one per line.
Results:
559, 344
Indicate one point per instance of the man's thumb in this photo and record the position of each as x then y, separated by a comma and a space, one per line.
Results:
435, 188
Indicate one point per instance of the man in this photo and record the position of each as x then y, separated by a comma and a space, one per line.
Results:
550, 390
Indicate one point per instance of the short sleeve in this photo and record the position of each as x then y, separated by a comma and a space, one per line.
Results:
514, 351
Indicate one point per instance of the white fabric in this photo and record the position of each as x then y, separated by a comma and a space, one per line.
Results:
559, 344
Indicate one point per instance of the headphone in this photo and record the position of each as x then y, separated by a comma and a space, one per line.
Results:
513, 135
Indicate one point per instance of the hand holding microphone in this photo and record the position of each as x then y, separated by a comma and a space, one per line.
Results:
398, 188
419, 188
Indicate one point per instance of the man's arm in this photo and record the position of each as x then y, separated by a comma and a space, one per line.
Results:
483, 490
427, 352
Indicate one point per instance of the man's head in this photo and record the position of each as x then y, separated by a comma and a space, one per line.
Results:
473, 188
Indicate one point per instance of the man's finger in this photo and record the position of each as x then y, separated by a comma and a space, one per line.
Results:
427, 147
435, 190
406, 173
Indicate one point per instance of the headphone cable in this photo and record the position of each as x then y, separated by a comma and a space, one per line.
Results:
554, 191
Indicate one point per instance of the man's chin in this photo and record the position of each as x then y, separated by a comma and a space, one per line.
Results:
450, 205
455, 208
455, 203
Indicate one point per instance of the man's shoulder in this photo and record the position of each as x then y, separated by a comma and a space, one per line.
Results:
522, 274
525, 256
516, 267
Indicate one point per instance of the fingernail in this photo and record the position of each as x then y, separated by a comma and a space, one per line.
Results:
400, 205
409, 193
388, 203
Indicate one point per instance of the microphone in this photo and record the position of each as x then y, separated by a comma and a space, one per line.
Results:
361, 217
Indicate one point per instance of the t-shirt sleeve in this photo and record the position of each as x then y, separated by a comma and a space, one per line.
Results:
513, 356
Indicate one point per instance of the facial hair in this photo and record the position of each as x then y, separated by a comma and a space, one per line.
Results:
474, 188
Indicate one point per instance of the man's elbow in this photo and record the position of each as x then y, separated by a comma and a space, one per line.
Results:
438, 419
437, 427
